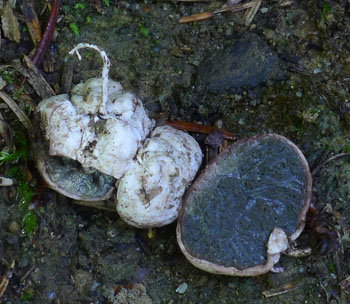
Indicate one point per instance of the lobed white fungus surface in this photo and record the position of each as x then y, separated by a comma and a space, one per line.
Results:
74, 128
101, 132
150, 192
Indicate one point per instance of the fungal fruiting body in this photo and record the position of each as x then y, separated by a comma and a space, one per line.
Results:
244, 208
99, 135
150, 192
74, 129
90, 137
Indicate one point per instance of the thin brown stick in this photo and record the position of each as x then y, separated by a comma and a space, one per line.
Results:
206, 15
252, 11
4, 280
48, 33
197, 128
23, 118
282, 289
27, 273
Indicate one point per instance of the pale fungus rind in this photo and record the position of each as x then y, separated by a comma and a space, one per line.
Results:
62, 126
150, 193
278, 242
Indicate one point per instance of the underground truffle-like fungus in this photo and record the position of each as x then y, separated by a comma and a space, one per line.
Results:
74, 129
239, 215
92, 137
150, 192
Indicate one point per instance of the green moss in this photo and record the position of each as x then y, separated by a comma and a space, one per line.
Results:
17, 160
74, 28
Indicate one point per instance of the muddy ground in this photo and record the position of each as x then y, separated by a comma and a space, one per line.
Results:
76, 254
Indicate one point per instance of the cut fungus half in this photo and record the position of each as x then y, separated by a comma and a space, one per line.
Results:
245, 207
69, 178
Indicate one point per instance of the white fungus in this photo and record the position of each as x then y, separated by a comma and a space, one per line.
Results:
105, 137
150, 192
105, 128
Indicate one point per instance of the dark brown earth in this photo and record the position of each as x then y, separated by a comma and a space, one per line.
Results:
76, 254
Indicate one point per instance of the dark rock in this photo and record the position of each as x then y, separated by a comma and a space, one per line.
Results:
246, 63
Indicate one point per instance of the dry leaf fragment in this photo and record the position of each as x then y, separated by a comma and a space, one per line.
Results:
10, 24
32, 22
23, 118
34, 77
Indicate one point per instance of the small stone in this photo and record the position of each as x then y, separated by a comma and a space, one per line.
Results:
333, 275
181, 288
245, 63
14, 227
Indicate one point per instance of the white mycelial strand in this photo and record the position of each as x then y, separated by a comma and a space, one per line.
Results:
105, 71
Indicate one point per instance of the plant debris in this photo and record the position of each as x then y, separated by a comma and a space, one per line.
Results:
10, 24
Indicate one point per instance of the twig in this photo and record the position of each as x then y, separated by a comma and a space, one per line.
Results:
317, 169
282, 289
48, 33
193, 127
252, 12
4, 281
23, 118
105, 71
206, 15
325, 290
27, 273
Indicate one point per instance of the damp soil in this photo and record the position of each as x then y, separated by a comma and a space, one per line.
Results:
84, 255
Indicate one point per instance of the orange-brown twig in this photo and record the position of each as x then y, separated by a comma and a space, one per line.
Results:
197, 128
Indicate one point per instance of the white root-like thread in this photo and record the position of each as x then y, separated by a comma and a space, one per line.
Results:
105, 71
